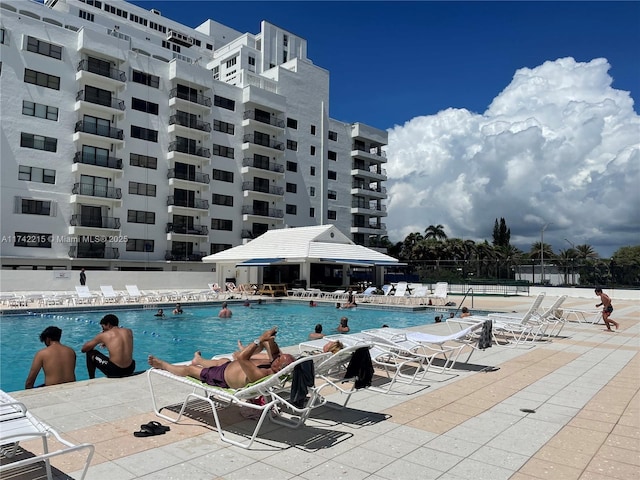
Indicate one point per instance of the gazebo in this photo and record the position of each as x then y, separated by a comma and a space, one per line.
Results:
317, 256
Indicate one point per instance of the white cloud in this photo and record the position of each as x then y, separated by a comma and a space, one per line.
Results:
558, 144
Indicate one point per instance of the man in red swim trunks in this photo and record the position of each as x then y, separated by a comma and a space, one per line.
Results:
607, 308
246, 367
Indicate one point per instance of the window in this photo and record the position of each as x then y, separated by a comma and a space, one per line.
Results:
312, 212
209, 46
222, 175
331, 215
222, 151
333, 136
41, 79
312, 151
221, 224
136, 160
35, 207
231, 62
216, 73
292, 188
223, 102
251, 60
312, 191
35, 174
331, 194
144, 133
226, 200
331, 175
38, 142
44, 48
292, 145
224, 127
145, 79
140, 216
219, 247
35, 240
39, 110
140, 245
292, 166
145, 189
292, 123
2, 36
285, 40
332, 155
292, 209
97, 96
144, 106
313, 129
86, 15
312, 171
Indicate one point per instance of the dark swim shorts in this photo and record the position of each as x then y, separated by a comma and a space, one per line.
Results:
111, 370
609, 309
215, 375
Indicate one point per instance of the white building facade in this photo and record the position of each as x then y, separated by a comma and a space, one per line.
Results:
130, 141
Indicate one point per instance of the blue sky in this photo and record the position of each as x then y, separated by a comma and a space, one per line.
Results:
519, 110
392, 61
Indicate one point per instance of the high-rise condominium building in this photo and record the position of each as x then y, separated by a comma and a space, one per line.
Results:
132, 141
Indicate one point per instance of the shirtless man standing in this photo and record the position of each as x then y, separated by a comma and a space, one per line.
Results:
224, 311
607, 308
246, 367
58, 361
119, 343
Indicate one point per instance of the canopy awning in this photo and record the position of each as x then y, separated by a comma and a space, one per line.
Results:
362, 263
260, 262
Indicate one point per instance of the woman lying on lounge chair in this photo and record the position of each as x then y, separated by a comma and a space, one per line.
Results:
236, 373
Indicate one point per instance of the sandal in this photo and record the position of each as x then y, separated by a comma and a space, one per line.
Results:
151, 429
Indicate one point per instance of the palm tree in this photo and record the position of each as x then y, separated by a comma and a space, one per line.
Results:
436, 232
409, 244
586, 252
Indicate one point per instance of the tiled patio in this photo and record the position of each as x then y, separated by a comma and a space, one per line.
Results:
583, 388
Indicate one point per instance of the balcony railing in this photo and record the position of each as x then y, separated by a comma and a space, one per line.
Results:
96, 190
95, 222
190, 97
189, 123
183, 256
105, 102
105, 72
195, 203
108, 253
193, 177
371, 189
367, 206
262, 165
262, 212
92, 159
265, 142
380, 226
103, 131
270, 120
187, 229
197, 151
262, 189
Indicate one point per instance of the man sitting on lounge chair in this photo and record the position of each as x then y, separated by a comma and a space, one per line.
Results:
245, 367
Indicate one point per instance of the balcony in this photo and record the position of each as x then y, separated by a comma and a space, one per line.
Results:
175, 256
262, 212
361, 189
79, 220
370, 229
372, 172
111, 73
185, 98
197, 203
187, 150
368, 208
263, 142
251, 116
92, 104
196, 177
100, 130
268, 189
91, 190
187, 122
96, 251
187, 229
84, 158
250, 162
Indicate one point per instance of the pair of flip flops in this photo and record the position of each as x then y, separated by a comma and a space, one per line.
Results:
151, 429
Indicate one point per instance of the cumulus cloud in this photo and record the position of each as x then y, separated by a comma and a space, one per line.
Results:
558, 145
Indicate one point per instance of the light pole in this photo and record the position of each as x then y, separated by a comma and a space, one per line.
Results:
544, 227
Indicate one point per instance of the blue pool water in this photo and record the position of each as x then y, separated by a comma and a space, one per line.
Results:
176, 337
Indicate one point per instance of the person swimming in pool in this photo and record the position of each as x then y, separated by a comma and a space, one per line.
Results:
247, 365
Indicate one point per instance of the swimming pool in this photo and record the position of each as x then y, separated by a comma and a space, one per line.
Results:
176, 337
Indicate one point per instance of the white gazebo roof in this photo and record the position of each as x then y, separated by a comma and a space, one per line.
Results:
323, 243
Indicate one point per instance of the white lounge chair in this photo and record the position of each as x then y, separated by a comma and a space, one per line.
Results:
440, 293
386, 289
84, 295
366, 296
400, 292
547, 317
134, 295
419, 295
109, 295
18, 425
274, 389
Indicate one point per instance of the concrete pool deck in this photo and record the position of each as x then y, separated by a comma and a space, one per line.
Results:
583, 386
